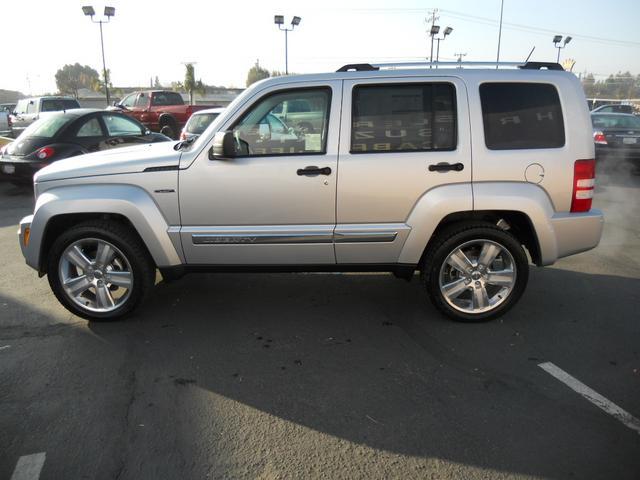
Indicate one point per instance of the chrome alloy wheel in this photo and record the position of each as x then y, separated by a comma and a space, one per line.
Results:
477, 276
95, 275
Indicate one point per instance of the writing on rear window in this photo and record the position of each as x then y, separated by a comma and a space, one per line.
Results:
521, 115
404, 117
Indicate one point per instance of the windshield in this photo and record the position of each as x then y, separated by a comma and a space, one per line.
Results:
615, 121
48, 127
199, 123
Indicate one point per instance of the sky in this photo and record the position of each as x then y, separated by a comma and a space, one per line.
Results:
149, 38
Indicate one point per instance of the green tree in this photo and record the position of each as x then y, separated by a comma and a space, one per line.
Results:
98, 84
71, 78
190, 82
257, 73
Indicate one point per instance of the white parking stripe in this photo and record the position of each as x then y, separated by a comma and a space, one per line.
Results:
29, 467
4, 346
594, 397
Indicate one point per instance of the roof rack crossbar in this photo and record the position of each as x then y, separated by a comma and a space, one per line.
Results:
361, 67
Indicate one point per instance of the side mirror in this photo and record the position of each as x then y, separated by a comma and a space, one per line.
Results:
224, 146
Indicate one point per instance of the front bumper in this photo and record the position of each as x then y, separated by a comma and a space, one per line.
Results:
577, 232
24, 237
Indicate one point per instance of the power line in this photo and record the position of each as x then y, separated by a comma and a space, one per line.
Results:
490, 21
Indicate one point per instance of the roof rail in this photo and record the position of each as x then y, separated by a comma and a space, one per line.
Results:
363, 67
358, 67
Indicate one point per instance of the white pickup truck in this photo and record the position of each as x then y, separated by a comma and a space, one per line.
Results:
28, 110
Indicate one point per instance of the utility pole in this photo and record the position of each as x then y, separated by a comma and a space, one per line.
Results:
434, 17
459, 55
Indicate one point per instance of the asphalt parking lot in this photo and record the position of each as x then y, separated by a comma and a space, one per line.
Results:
327, 376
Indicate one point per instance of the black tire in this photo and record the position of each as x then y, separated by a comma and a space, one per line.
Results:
119, 235
449, 240
168, 130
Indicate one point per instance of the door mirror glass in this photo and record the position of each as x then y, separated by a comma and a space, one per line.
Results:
224, 146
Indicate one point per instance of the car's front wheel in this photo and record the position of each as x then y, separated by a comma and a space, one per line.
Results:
100, 270
475, 272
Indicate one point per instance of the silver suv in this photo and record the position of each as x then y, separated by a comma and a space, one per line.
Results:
456, 173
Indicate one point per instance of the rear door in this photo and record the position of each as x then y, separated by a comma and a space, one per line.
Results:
400, 137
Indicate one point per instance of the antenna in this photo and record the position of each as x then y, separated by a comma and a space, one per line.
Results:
530, 53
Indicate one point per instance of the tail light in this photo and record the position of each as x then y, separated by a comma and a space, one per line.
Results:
584, 180
9, 121
599, 138
45, 152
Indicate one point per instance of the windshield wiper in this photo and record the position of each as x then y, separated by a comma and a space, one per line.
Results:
184, 143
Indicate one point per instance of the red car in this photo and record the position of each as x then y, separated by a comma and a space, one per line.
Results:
159, 110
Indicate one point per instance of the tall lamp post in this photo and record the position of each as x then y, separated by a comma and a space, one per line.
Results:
447, 31
279, 20
108, 12
556, 43
433, 32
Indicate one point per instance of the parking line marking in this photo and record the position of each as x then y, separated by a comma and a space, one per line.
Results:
594, 397
4, 346
29, 467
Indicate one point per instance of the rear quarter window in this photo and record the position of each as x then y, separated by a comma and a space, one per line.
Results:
521, 116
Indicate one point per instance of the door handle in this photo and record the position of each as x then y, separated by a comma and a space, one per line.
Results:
445, 167
313, 171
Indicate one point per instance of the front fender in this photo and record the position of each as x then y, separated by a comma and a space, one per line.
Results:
129, 201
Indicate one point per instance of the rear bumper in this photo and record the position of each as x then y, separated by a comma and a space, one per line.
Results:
577, 232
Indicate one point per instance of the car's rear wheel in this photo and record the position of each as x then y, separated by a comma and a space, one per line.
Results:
100, 270
475, 272
169, 131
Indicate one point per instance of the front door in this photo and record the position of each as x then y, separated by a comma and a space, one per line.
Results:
274, 204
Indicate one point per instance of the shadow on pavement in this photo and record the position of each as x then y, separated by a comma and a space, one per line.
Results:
366, 359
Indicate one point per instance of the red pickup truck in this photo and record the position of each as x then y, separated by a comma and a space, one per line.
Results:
159, 110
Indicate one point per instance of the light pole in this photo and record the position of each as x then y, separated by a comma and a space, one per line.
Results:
108, 12
279, 20
447, 31
556, 43
434, 31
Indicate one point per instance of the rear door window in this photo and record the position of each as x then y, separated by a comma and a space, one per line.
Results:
521, 116
403, 118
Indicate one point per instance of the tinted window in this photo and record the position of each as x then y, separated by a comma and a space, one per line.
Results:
199, 123
48, 127
59, 104
521, 115
117, 126
255, 136
91, 128
403, 118
167, 98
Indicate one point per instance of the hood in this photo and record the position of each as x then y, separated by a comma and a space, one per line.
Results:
111, 162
